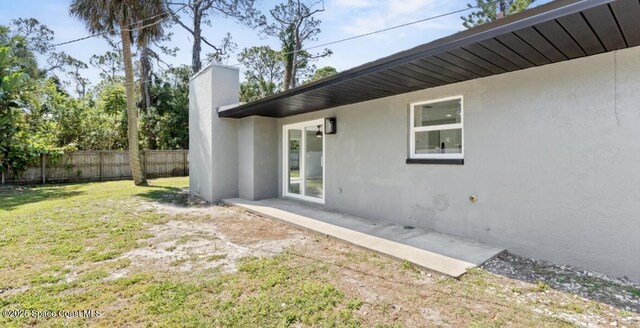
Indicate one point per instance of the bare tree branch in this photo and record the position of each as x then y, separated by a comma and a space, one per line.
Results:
294, 24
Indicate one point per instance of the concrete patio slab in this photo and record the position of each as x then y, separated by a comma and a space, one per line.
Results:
442, 253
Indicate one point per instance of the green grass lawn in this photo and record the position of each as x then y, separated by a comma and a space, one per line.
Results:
60, 243
64, 248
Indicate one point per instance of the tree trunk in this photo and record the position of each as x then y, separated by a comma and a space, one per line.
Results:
296, 51
145, 77
132, 115
294, 71
290, 58
503, 9
294, 66
287, 74
145, 102
196, 64
286, 81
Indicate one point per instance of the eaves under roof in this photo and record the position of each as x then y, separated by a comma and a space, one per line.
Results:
554, 32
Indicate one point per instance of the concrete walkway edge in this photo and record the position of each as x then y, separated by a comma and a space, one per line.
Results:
429, 260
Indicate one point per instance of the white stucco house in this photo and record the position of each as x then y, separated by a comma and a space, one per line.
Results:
522, 133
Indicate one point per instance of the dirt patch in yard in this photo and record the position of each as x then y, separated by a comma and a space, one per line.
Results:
249, 228
181, 203
208, 237
509, 291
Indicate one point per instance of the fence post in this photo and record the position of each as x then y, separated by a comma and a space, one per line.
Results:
100, 169
144, 156
184, 155
43, 158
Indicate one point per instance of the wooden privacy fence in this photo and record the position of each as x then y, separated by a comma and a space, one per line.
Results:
101, 165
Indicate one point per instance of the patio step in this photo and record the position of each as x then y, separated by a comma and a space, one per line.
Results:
442, 253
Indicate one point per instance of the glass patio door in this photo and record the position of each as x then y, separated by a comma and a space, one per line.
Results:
303, 161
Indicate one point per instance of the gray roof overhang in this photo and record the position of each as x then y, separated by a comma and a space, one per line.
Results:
558, 31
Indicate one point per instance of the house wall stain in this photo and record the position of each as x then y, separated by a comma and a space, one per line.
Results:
424, 217
441, 202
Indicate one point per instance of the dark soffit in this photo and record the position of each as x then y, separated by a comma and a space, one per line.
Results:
554, 32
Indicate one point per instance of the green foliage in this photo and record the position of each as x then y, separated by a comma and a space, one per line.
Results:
167, 121
323, 72
264, 69
254, 90
489, 11
38, 36
38, 116
112, 103
104, 17
109, 63
83, 123
248, 92
18, 147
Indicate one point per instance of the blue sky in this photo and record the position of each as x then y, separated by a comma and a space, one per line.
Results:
341, 19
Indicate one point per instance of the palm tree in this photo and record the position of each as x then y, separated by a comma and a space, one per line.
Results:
135, 19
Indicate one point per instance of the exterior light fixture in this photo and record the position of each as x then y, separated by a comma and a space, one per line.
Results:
319, 133
330, 126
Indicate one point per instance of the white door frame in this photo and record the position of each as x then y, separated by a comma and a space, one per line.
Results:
302, 159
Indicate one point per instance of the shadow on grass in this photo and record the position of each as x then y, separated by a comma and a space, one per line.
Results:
169, 195
12, 197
